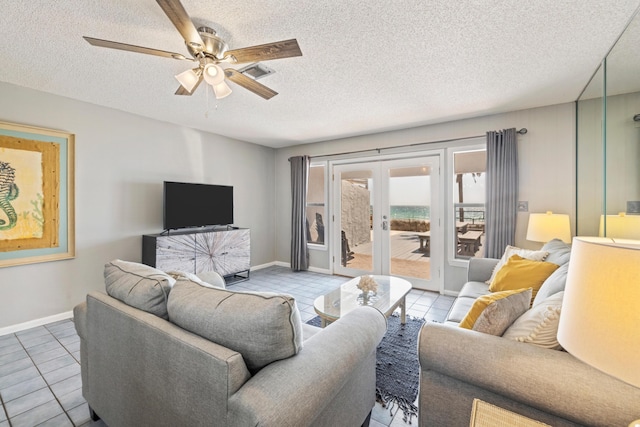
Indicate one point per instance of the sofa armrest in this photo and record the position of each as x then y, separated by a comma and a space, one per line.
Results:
548, 380
80, 319
332, 378
480, 269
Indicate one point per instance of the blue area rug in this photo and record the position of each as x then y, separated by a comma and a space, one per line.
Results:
397, 367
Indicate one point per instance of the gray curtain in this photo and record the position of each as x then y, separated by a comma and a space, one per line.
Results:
299, 179
501, 191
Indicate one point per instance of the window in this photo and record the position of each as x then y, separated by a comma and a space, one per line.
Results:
469, 173
316, 206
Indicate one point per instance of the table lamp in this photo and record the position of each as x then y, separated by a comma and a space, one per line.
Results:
622, 226
544, 227
601, 307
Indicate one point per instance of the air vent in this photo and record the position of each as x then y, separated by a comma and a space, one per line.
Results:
257, 71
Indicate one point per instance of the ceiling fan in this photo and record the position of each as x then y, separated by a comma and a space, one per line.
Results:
209, 50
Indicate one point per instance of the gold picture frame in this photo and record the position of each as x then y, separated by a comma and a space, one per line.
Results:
37, 205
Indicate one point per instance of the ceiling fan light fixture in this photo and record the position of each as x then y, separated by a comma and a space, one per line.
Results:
221, 90
189, 79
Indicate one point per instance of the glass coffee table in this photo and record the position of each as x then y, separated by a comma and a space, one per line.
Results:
390, 295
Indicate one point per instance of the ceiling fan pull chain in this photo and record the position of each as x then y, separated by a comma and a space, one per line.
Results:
206, 113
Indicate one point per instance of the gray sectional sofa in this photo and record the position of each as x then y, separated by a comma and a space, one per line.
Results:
551, 386
162, 350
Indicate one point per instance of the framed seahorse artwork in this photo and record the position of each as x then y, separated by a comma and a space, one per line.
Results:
36, 195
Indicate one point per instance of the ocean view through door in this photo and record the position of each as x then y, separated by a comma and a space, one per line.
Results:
387, 220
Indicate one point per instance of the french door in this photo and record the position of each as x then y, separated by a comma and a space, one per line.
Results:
386, 220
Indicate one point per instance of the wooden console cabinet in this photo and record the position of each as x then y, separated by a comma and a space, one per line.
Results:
227, 252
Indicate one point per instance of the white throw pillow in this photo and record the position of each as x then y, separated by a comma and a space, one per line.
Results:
511, 251
539, 325
197, 279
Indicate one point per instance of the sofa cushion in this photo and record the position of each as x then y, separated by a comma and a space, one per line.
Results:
262, 326
468, 294
524, 253
139, 286
539, 325
559, 251
481, 303
459, 309
520, 273
499, 315
554, 284
473, 290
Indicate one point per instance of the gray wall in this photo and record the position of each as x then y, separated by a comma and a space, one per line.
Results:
547, 168
122, 159
121, 162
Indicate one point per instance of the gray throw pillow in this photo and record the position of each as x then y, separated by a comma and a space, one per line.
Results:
262, 326
559, 251
139, 286
554, 284
500, 314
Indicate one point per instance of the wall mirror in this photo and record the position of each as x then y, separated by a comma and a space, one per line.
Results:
608, 143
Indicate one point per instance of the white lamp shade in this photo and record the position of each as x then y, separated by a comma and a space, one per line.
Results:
620, 226
600, 318
189, 79
221, 90
544, 227
213, 74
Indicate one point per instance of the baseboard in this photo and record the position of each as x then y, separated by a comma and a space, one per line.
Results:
37, 322
451, 293
312, 269
261, 266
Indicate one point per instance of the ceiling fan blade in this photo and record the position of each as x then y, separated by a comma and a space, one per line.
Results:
181, 20
133, 48
250, 84
182, 91
265, 52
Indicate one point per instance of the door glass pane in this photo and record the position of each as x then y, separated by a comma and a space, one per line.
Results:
409, 231
469, 208
315, 205
356, 216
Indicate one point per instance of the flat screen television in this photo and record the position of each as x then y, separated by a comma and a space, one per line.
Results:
196, 205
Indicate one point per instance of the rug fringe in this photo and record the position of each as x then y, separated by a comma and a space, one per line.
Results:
409, 410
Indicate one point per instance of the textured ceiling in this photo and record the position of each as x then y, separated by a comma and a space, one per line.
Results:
367, 65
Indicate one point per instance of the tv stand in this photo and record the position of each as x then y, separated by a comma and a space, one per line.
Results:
227, 251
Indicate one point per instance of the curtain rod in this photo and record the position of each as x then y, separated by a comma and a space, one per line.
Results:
521, 132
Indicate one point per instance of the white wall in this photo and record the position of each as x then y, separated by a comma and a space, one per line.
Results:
547, 168
121, 162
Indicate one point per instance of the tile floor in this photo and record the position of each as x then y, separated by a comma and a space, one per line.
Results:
40, 382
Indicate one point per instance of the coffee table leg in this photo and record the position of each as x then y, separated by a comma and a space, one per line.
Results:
403, 311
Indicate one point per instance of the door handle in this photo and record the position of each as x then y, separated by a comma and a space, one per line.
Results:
384, 225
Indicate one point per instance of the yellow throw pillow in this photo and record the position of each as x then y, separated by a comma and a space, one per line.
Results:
510, 251
518, 273
483, 302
